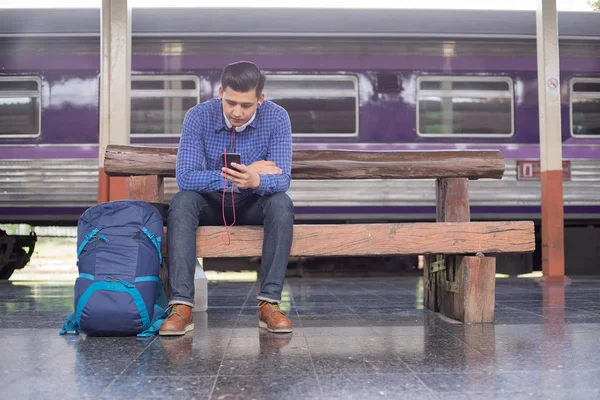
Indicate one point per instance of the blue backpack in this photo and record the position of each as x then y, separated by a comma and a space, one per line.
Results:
118, 292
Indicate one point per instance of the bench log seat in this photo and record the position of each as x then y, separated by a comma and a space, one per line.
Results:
459, 274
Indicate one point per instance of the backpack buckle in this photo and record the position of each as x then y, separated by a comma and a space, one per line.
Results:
117, 279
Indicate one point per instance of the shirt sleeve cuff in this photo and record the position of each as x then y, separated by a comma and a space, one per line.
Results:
263, 185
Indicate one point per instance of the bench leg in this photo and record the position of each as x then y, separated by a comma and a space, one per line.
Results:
459, 287
480, 289
430, 295
467, 289
149, 188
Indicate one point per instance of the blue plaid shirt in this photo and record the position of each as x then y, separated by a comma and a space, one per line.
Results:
204, 137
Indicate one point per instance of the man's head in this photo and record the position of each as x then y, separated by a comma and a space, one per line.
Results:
241, 89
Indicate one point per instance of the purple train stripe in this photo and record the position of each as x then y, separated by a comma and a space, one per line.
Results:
509, 151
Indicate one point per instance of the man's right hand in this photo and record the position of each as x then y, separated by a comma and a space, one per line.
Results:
265, 168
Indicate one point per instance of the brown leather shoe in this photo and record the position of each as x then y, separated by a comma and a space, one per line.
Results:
272, 318
179, 321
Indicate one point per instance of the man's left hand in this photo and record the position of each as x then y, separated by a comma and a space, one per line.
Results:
244, 177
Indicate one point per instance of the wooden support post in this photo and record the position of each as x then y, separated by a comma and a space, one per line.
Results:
429, 285
462, 287
148, 188
469, 295
452, 198
479, 283
457, 286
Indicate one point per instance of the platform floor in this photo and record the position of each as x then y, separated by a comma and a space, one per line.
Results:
352, 339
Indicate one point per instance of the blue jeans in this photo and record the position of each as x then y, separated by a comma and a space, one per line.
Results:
188, 210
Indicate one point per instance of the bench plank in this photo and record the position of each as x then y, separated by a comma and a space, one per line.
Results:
376, 239
122, 160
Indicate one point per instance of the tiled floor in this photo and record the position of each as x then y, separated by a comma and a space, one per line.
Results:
353, 338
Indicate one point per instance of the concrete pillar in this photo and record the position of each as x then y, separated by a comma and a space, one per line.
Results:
553, 266
115, 85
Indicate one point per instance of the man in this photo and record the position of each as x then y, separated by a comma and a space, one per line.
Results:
239, 121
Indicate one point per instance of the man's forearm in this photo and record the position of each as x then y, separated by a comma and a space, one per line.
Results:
270, 184
200, 181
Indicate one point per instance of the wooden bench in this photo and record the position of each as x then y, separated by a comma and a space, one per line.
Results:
459, 275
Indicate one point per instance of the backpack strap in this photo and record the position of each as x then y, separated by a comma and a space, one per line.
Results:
70, 325
159, 317
161, 296
155, 240
88, 237
160, 313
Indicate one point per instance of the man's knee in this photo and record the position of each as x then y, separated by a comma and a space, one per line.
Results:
183, 199
279, 204
184, 202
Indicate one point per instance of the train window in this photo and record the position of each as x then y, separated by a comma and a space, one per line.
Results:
585, 107
159, 104
20, 106
318, 105
465, 106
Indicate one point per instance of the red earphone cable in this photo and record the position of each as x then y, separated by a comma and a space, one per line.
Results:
223, 197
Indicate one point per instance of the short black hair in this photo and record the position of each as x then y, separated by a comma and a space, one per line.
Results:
243, 76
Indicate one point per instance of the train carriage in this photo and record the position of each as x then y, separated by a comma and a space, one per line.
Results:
350, 79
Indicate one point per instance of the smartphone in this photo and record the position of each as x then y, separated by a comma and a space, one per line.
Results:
231, 157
